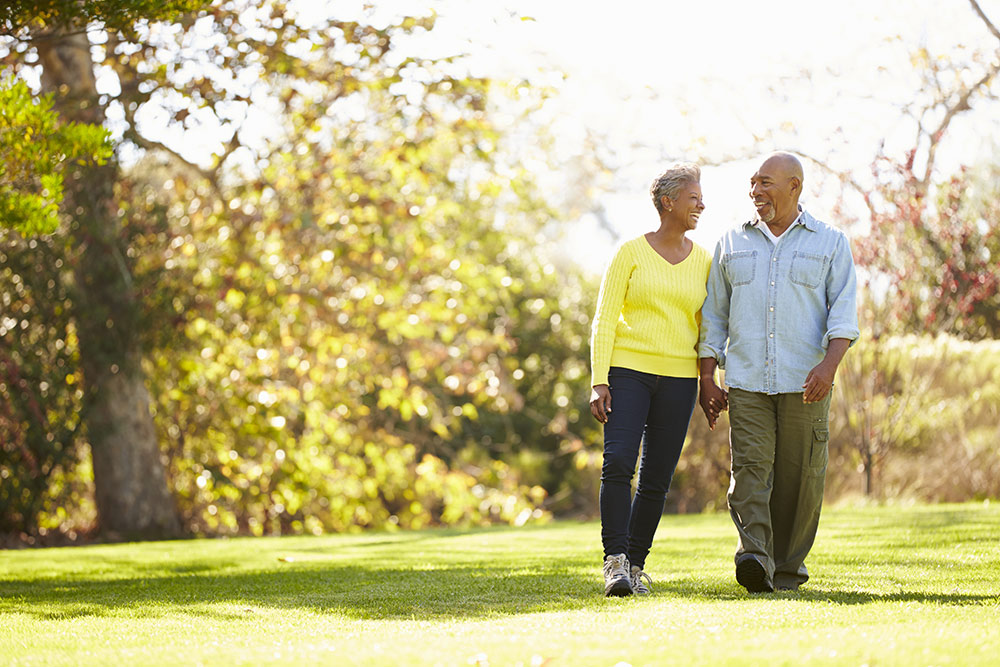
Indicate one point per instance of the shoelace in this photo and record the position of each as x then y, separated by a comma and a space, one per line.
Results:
615, 566
637, 584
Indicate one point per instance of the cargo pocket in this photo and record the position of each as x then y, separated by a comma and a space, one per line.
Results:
819, 453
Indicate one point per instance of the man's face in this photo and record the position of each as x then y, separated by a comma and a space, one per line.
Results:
771, 190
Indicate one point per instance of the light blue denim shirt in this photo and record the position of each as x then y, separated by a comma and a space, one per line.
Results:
778, 306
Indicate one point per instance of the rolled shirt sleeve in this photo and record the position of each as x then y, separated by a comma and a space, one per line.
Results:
841, 295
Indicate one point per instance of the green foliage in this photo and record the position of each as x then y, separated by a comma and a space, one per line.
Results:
18, 16
351, 325
35, 151
702, 475
357, 307
356, 348
40, 399
889, 585
350, 322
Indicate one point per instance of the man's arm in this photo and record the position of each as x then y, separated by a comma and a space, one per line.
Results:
711, 397
841, 295
714, 330
712, 340
820, 379
841, 323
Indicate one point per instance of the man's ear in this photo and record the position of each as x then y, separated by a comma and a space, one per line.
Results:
796, 184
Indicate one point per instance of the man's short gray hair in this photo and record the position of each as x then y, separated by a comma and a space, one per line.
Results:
670, 182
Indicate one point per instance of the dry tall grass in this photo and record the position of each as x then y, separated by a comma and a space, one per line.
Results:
912, 417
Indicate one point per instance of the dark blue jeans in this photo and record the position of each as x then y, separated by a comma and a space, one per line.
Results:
655, 411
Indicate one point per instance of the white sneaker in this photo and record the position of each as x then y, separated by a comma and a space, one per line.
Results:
638, 587
616, 576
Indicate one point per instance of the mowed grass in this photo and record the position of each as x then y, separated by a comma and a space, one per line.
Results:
890, 586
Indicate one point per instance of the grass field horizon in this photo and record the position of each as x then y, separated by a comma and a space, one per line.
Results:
890, 585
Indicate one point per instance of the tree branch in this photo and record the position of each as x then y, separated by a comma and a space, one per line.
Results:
25, 36
989, 24
844, 177
152, 145
950, 112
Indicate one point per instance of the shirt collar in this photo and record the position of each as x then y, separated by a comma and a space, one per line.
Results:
803, 219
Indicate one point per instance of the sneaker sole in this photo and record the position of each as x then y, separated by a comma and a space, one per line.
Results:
751, 576
618, 589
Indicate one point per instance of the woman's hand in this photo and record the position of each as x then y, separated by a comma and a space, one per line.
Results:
600, 402
713, 400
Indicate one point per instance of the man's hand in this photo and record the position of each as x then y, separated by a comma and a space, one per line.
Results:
820, 379
818, 382
713, 400
600, 402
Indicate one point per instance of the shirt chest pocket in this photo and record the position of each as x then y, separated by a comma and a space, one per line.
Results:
807, 269
741, 267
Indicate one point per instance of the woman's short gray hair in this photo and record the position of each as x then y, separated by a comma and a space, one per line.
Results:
669, 183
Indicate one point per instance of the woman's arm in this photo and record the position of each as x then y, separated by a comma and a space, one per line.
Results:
614, 288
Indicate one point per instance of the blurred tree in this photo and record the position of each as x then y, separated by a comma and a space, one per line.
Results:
927, 262
131, 491
354, 311
933, 246
888, 404
917, 418
343, 305
35, 150
934, 265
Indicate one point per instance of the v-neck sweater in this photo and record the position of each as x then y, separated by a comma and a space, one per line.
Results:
648, 312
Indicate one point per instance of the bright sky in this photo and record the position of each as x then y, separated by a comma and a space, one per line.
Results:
717, 82
664, 80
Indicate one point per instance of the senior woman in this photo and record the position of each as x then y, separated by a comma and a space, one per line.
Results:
644, 363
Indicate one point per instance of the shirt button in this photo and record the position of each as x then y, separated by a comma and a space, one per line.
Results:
772, 283
775, 259
772, 309
772, 335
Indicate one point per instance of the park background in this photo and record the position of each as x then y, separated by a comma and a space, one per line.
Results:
332, 265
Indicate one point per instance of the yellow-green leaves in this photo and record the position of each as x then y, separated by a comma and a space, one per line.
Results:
35, 150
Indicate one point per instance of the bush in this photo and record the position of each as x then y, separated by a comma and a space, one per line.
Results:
916, 416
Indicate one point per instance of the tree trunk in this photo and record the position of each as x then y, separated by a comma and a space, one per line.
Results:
132, 496
869, 473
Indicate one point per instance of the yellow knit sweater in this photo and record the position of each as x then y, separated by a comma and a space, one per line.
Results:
648, 312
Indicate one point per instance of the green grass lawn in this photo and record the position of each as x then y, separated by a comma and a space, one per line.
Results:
890, 586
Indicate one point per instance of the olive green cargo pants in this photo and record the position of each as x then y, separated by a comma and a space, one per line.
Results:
779, 452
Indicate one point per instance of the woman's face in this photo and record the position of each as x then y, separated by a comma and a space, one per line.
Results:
686, 208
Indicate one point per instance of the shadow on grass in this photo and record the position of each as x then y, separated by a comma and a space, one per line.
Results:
858, 597
368, 593
351, 590
729, 590
446, 574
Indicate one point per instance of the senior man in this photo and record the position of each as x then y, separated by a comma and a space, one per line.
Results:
780, 314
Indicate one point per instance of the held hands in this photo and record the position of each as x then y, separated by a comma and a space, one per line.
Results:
600, 402
713, 400
818, 382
